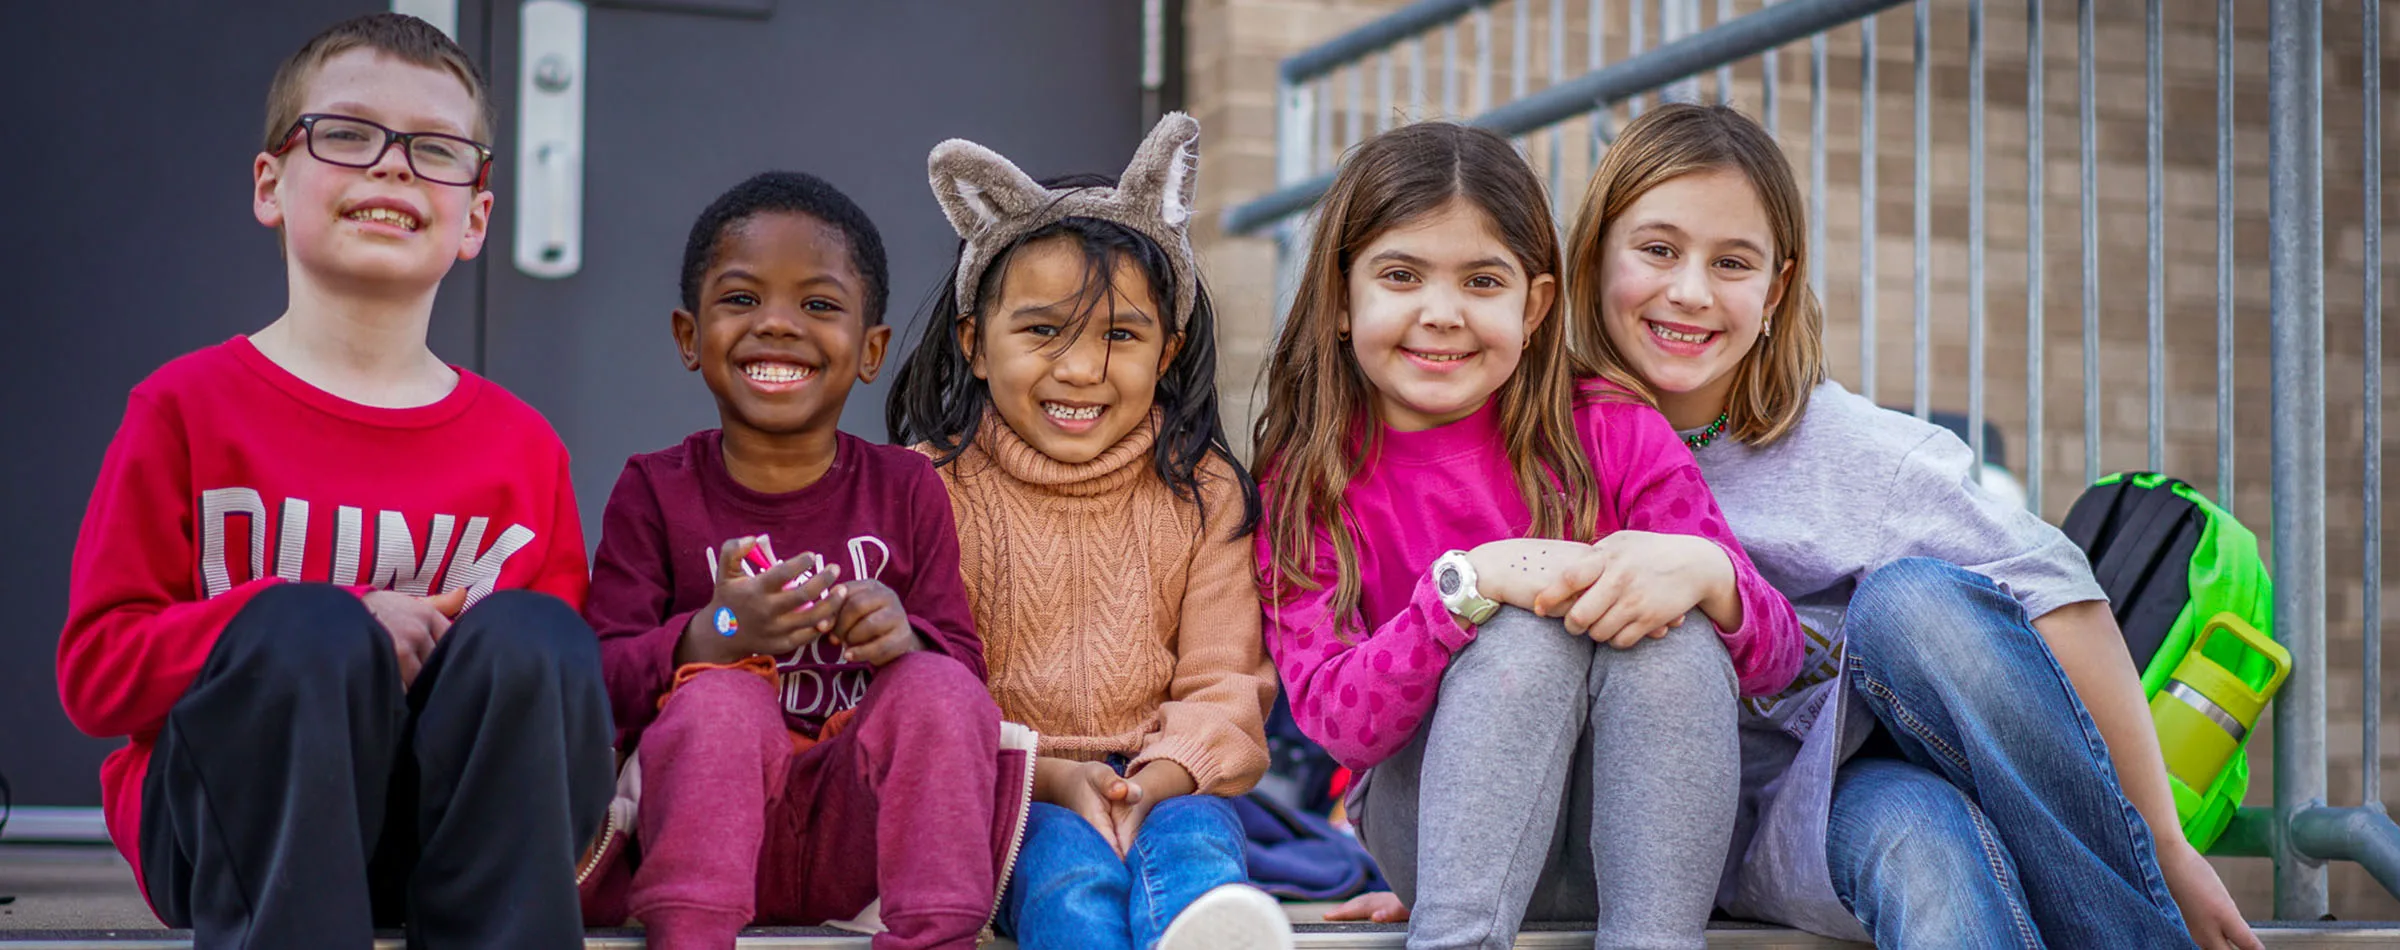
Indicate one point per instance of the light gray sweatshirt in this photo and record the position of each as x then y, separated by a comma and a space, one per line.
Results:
1851, 488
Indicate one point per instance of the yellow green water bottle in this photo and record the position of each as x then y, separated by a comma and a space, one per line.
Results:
2206, 709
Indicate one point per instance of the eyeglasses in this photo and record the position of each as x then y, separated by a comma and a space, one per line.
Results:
358, 143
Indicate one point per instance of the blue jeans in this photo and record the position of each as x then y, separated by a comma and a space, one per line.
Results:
2004, 825
1072, 891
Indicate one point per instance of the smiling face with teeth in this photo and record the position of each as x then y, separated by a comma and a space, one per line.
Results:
1688, 274
380, 228
1072, 367
1440, 311
780, 335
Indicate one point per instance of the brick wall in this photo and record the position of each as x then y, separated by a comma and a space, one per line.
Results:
1235, 45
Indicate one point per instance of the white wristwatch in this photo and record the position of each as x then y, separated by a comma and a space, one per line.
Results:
1455, 579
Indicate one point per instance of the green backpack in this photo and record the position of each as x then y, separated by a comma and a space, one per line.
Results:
2195, 602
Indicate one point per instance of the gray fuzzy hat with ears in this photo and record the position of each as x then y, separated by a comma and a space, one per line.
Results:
992, 204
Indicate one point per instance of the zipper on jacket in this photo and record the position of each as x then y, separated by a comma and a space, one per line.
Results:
1015, 736
609, 830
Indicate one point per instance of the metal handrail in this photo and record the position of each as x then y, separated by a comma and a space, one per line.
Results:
1404, 23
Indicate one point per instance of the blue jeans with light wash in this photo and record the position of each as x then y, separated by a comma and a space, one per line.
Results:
2002, 824
1072, 891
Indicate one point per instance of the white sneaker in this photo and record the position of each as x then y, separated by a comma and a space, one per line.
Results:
1231, 917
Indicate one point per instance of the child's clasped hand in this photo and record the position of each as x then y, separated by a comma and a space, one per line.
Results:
1113, 804
416, 624
1633, 585
871, 625
761, 614
790, 604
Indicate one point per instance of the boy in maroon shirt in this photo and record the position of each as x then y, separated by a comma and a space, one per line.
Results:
802, 752
282, 531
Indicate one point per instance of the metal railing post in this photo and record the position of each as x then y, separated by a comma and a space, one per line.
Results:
1867, 208
1816, 163
2371, 506
1725, 72
2087, 92
1295, 155
2296, 267
2036, 109
2156, 199
1975, 272
1922, 400
2225, 253
1596, 56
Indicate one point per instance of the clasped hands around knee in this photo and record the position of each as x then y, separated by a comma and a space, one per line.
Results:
1620, 590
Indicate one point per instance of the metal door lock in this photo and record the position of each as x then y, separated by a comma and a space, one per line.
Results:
551, 74
549, 217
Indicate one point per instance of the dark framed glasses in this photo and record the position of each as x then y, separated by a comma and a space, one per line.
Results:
357, 143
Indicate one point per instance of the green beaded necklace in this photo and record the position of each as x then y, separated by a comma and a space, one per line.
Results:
1701, 439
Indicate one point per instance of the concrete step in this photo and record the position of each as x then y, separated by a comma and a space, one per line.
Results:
83, 898
2280, 936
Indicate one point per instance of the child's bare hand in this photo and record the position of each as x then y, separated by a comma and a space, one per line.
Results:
1513, 570
1382, 907
1128, 807
416, 624
1154, 782
2208, 911
1089, 789
873, 628
449, 603
1635, 584
767, 619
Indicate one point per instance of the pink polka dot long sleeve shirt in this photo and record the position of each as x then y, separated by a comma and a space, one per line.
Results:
1362, 695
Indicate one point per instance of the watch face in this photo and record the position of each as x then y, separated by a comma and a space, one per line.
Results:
1447, 581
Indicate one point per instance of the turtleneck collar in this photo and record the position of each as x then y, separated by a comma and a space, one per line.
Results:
1107, 472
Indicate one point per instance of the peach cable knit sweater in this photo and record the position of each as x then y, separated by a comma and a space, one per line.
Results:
1113, 619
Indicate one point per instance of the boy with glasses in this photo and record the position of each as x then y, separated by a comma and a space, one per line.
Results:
327, 584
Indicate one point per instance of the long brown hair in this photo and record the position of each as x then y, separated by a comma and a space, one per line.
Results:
1772, 382
1319, 409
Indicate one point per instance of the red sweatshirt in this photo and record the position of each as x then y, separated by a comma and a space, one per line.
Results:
230, 474
880, 512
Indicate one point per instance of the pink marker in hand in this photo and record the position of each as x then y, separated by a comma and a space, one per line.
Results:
761, 559
757, 560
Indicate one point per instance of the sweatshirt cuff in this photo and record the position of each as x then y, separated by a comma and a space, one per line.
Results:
660, 644
1444, 626
1766, 654
1207, 765
932, 638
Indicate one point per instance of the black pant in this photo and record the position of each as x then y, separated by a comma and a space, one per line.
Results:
300, 797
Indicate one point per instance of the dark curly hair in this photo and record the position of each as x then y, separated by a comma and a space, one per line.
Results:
796, 193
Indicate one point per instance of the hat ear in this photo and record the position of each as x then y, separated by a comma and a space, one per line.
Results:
978, 188
1158, 183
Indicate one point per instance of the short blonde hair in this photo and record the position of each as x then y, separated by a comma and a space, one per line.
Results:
1771, 385
400, 36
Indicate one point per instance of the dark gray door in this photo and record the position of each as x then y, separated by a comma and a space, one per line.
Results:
129, 239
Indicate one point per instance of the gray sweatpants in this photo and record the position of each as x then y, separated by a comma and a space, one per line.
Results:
1634, 749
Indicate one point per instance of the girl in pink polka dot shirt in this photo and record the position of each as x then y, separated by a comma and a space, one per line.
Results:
1493, 579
